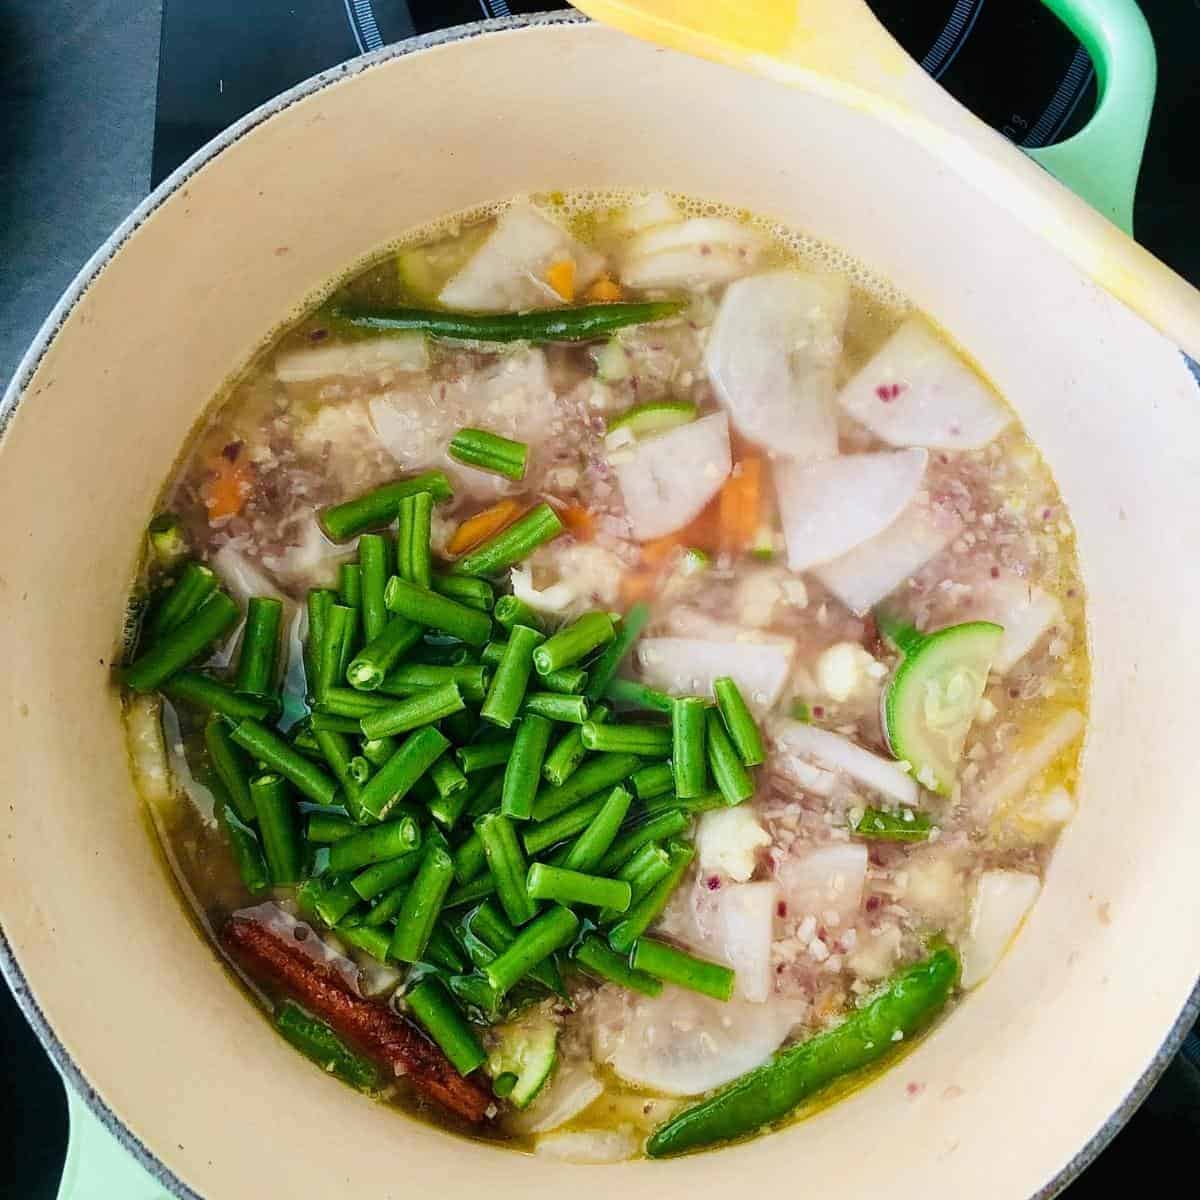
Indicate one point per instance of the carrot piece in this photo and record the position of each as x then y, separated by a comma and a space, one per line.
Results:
579, 521
739, 504
477, 529
604, 289
637, 586
227, 487
655, 553
561, 277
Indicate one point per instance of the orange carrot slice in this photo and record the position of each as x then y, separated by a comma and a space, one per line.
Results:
476, 530
561, 277
227, 487
579, 521
739, 506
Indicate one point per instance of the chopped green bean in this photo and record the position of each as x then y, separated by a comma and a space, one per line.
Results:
570, 680
554, 706
245, 848
574, 642
414, 561
643, 871
384, 876
342, 521
277, 824
259, 653
637, 695
538, 526
540, 837
692, 806
338, 752
318, 604
511, 678
369, 667
551, 931
196, 583
483, 756
379, 843
469, 859
474, 593
268, 747
688, 759
409, 678
493, 653
649, 741
324, 722
422, 905
682, 969
743, 731
327, 827
507, 866
374, 560
378, 750
589, 849
440, 1017
347, 702
443, 949
193, 688
422, 709
642, 913
471, 892
168, 542
596, 775
335, 651
662, 825
546, 882
230, 767
597, 958
367, 938
393, 781
524, 768
489, 925
432, 611
569, 751
652, 781
183, 643
331, 902
490, 452
728, 774
605, 668
510, 611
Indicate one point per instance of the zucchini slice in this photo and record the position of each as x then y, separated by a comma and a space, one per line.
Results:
656, 417
527, 1049
930, 703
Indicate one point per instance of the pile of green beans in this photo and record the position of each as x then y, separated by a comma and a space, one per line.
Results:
474, 794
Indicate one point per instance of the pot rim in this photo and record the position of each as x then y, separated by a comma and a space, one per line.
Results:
10, 968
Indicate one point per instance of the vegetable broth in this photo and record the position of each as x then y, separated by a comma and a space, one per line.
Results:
793, 473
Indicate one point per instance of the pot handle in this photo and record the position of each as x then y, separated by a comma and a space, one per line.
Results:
1100, 163
98, 1167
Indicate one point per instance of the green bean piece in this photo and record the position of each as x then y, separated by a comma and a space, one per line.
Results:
448, 779
518, 541
524, 767
493, 653
554, 706
483, 756
278, 826
474, 593
490, 452
682, 969
485, 795
441, 1018
649, 741
384, 876
432, 611
511, 678
324, 722
643, 913
315, 1040
728, 774
374, 561
538, 838
437, 650
424, 708
476, 995
574, 642
597, 958
329, 901
688, 760
661, 825
346, 702
596, 775
414, 560
378, 750
388, 906
410, 678
693, 806
546, 882
259, 655
230, 767
570, 681
510, 611
369, 667
268, 747
471, 892
318, 604
245, 848
741, 726
304, 741
349, 588
909, 1002
582, 324
568, 752
183, 643
379, 843
587, 852
370, 940
643, 871
469, 859
605, 668
489, 925
443, 949
903, 826
327, 827
196, 583
507, 866
637, 695
380, 507
545, 934
654, 780
338, 752
393, 781
334, 660
422, 905
168, 542
193, 688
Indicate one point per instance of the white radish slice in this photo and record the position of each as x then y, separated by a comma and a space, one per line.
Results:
863, 576
404, 352
1021, 766
827, 508
571, 1089
713, 232
685, 266
680, 1043
666, 481
827, 879
916, 391
506, 273
743, 926
1002, 900
830, 750
771, 356
688, 666
587, 1146
1024, 611
655, 209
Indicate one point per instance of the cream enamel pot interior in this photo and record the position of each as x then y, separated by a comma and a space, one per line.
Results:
1021, 1077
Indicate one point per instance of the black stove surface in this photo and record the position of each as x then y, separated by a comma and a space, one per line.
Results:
1007, 60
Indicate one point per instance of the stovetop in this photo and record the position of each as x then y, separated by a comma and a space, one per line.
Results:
1007, 60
